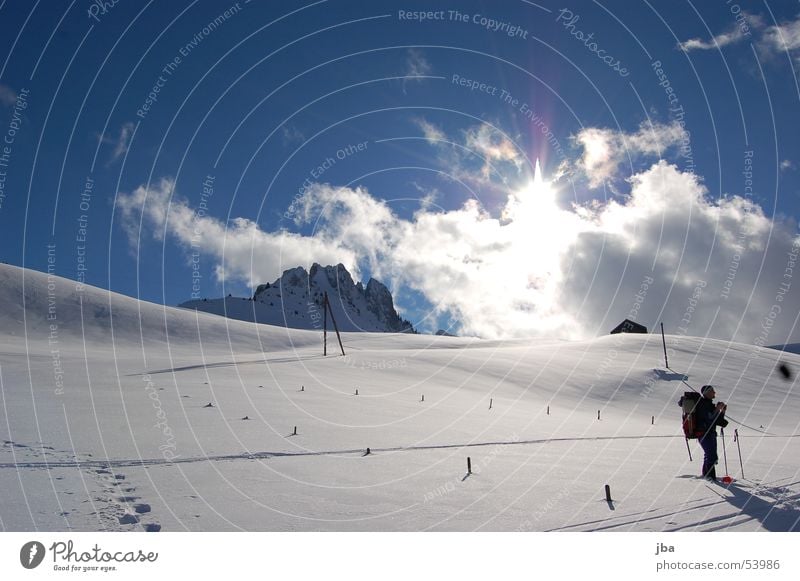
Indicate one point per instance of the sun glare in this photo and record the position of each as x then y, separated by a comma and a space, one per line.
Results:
541, 232
535, 208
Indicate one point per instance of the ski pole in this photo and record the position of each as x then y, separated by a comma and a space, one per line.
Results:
724, 453
736, 439
688, 449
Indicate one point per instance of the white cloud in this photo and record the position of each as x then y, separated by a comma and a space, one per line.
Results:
120, 143
786, 165
783, 37
668, 231
493, 147
736, 32
539, 269
432, 133
771, 41
724, 39
240, 249
485, 156
605, 149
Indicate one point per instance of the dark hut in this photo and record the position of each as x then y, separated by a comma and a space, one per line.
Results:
628, 326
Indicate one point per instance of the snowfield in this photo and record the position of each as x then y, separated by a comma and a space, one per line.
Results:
106, 425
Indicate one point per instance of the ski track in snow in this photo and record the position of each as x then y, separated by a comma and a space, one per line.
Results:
266, 455
122, 463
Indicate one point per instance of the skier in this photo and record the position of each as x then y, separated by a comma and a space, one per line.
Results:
708, 417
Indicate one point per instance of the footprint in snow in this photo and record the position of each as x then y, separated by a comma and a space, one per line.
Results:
128, 519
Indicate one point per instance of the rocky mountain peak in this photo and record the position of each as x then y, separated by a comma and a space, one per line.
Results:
294, 300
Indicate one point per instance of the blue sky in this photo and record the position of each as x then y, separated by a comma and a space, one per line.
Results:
405, 148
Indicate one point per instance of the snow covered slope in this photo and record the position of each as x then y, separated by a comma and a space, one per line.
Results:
168, 419
295, 301
43, 309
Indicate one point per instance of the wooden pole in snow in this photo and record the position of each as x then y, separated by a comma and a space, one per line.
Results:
469, 465
664, 343
325, 326
736, 439
333, 320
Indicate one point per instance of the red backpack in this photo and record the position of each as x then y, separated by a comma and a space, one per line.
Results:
688, 404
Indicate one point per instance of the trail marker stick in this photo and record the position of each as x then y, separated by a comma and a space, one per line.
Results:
736, 439
327, 305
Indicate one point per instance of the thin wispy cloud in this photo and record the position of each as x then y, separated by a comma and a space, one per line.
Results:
433, 134
771, 41
7, 96
292, 135
494, 147
120, 143
732, 36
481, 155
782, 38
417, 67
416, 64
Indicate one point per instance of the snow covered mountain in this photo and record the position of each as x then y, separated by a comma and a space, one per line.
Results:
125, 415
295, 301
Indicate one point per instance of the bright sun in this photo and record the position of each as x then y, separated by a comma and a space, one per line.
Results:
534, 210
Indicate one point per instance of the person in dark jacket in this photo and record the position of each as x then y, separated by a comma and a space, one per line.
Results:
707, 417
